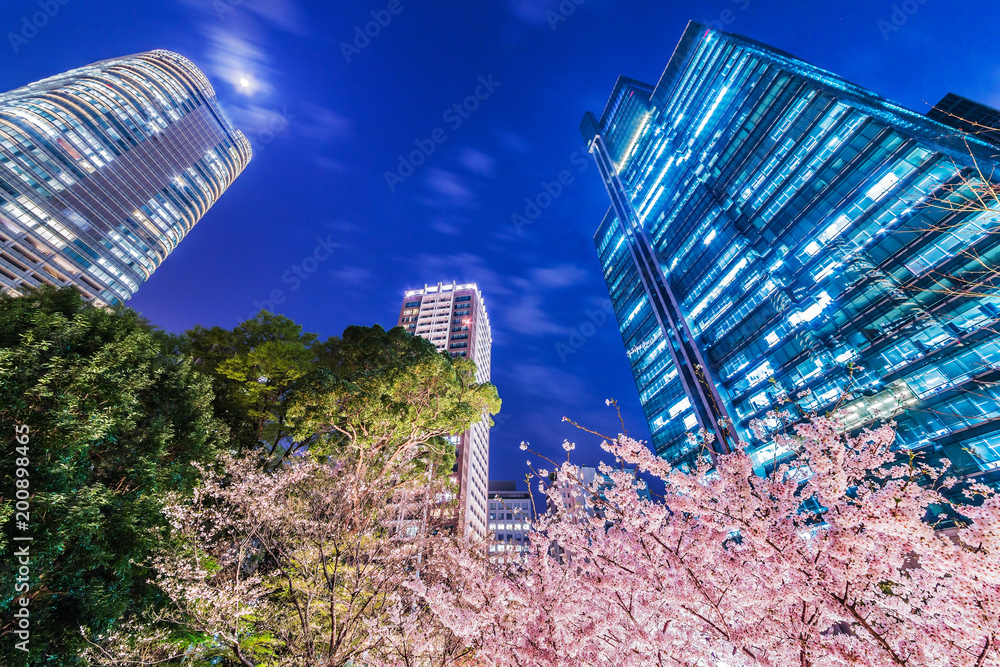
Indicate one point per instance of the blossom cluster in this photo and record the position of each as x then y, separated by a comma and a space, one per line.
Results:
830, 560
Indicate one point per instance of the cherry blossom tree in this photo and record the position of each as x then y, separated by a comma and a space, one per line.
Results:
836, 558
304, 566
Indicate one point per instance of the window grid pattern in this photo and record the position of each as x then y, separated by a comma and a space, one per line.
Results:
453, 317
105, 169
789, 213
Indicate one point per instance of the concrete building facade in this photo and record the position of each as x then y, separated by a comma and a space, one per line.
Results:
511, 514
453, 317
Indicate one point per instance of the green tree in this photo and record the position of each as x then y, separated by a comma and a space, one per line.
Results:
116, 418
298, 552
363, 397
258, 370
388, 391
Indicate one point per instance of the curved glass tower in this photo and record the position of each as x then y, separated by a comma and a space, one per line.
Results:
778, 232
104, 169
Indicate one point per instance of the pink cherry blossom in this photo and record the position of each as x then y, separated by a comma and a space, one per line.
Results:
830, 560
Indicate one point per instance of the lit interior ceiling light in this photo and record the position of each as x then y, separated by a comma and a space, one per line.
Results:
812, 312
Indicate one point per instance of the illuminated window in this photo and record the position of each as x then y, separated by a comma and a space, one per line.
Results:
759, 374
812, 312
881, 189
679, 407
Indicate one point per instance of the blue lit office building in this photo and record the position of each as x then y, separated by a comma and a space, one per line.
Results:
776, 229
105, 169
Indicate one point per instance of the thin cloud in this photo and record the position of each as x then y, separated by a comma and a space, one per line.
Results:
478, 162
532, 12
559, 277
329, 164
448, 189
321, 125
343, 227
352, 276
232, 57
463, 267
445, 227
237, 59
547, 382
282, 14
528, 316
517, 304
513, 142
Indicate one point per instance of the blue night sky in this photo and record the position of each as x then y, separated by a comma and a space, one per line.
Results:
325, 131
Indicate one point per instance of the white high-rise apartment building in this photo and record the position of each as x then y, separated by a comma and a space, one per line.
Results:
453, 317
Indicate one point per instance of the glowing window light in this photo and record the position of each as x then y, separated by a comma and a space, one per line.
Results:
812, 312
635, 311
846, 356
711, 110
679, 407
652, 204
759, 374
652, 163
769, 453
881, 189
634, 143
729, 278
656, 184
834, 230
825, 272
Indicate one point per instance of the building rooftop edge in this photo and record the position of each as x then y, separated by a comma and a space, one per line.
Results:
681, 52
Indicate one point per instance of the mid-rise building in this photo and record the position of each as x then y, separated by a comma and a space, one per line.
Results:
586, 494
511, 514
453, 317
105, 169
577, 497
778, 232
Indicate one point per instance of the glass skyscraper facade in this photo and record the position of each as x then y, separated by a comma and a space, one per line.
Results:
104, 169
777, 231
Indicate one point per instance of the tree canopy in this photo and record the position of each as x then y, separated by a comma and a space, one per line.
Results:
299, 551
830, 560
118, 411
115, 421
362, 396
